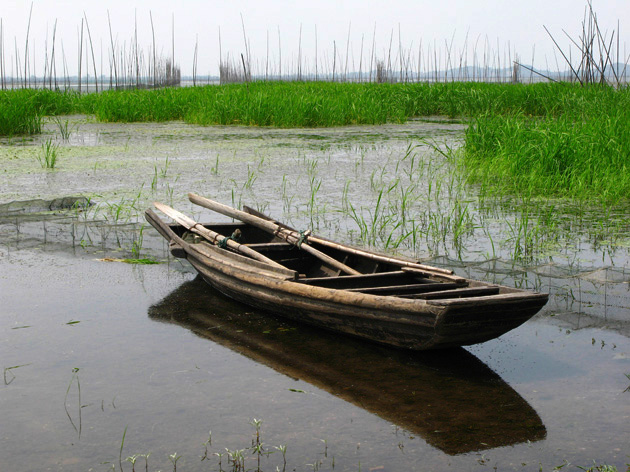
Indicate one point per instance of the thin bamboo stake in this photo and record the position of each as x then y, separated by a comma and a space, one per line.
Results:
28, 29
111, 40
154, 53
361, 61
345, 73
2, 54
52, 57
299, 67
316, 69
280, 56
80, 54
372, 53
334, 59
92, 49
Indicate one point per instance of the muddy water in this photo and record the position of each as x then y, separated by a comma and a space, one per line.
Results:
163, 360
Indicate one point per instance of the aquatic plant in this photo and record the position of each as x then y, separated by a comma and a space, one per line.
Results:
580, 151
174, 458
63, 127
75, 378
9, 376
49, 154
548, 138
19, 113
132, 460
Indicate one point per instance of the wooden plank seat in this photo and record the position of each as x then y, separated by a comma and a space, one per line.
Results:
455, 293
408, 288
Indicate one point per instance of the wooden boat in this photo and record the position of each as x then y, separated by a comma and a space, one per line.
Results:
297, 275
451, 399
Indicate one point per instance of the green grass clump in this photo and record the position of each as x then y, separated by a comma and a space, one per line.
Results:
49, 154
581, 152
19, 113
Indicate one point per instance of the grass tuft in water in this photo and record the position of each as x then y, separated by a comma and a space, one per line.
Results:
49, 154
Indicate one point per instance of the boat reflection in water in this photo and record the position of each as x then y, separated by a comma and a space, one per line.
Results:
449, 397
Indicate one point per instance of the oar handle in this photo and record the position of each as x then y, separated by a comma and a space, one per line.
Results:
212, 236
271, 227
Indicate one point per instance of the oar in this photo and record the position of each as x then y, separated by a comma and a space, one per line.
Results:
409, 266
212, 236
292, 237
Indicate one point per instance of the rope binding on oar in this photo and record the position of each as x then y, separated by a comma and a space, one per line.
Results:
303, 236
236, 236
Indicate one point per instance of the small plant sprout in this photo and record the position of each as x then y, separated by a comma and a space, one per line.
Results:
628, 387
146, 461
164, 170
48, 157
257, 424
220, 456
75, 377
64, 128
257, 447
325, 441
122, 444
207, 442
215, 170
8, 370
282, 448
132, 460
237, 458
136, 246
174, 458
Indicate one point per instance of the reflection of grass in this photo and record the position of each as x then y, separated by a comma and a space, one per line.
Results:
143, 261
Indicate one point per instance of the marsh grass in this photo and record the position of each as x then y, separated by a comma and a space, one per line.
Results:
582, 153
65, 130
559, 139
541, 139
19, 113
49, 154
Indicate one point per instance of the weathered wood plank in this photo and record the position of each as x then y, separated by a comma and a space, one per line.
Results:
456, 293
401, 289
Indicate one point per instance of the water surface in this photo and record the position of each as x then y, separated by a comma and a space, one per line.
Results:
163, 359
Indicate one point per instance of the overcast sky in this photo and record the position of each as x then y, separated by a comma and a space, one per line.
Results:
488, 25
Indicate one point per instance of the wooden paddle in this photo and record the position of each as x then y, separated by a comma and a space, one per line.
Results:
292, 237
212, 236
409, 266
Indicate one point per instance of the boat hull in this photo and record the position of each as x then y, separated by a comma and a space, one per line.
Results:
421, 326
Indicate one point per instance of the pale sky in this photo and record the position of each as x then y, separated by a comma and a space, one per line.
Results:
489, 25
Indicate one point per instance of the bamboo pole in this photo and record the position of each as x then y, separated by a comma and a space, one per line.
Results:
292, 237
28, 30
92, 50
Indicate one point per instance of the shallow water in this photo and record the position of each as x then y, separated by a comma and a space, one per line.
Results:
164, 358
